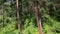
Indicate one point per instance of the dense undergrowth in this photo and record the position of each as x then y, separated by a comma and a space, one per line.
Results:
50, 22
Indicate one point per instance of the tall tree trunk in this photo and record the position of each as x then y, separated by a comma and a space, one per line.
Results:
46, 7
36, 6
3, 13
19, 21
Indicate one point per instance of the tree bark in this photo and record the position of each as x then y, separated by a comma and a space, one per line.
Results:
3, 13
46, 7
19, 21
36, 7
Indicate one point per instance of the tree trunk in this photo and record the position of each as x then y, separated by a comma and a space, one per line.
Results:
19, 21
46, 7
3, 13
38, 17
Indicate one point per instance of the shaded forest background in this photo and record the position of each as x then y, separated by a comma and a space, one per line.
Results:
50, 17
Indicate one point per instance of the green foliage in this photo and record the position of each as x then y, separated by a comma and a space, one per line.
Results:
50, 22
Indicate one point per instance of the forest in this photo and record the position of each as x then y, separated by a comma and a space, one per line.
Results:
29, 16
